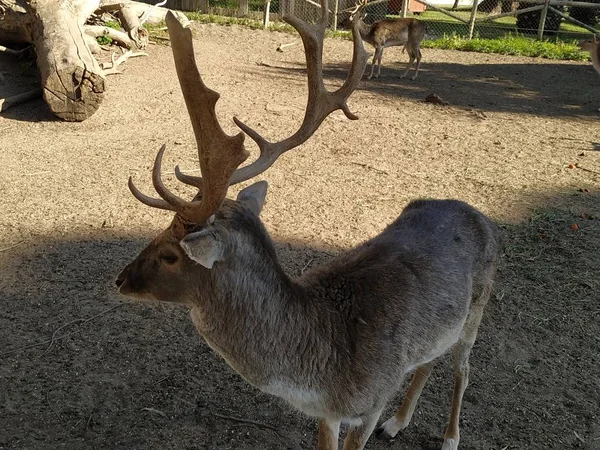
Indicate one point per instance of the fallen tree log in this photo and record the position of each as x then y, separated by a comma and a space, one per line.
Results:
73, 82
72, 79
151, 14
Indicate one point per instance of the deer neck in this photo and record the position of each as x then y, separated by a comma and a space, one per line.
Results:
365, 30
259, 319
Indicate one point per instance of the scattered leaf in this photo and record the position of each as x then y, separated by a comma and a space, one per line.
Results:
574, 227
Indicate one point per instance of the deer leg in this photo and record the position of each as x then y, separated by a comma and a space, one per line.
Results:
379, 63
411, 54
328, 435
414, 77
460, 355
373, 63
401, 419
358, 435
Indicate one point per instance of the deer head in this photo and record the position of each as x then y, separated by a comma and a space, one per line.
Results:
358, 13
211, 229
591, 44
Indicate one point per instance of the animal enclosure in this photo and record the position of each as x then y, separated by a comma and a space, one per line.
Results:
82, 368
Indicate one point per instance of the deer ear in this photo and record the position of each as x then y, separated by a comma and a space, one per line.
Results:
205, 247
253, 196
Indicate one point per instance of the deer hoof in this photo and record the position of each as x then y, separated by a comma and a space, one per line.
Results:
382, 435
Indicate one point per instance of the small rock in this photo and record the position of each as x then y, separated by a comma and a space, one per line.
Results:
435, 99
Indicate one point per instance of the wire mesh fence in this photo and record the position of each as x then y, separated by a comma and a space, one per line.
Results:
563, 19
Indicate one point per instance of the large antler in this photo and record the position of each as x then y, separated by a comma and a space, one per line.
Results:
320, 103
220, 154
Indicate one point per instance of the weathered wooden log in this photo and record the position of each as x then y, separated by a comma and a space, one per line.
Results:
152, 15
131, 23
73, 82
72, 79
122, 39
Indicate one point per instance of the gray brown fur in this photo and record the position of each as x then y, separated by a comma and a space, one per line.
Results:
338, 341
406, 32
592, 45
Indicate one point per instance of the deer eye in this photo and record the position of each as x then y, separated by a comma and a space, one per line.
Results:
168, 257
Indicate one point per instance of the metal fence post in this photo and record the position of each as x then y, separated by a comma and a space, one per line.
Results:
266, 13
542, 24
336, 10
472, 18
405, 8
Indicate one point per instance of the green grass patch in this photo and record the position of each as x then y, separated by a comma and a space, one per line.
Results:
104, 40
113, 24
511, 45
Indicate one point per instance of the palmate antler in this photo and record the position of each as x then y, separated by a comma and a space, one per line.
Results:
220, 154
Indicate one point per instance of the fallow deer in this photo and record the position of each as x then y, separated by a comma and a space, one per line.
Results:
407, 32
336, 342
592, 45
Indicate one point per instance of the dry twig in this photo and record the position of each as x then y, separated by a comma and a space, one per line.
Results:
370, 167
10, 51
247, 421
8, 102
115, 63
56, 338
11, 246
282, 46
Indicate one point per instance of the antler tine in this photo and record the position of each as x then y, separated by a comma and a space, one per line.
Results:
169, 201
320, 102
146, 200
354, 10
218, 153
188, 179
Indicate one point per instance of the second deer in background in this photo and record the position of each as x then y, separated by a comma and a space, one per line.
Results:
592, 45
384, 33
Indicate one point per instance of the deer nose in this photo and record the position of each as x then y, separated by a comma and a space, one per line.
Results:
121, 278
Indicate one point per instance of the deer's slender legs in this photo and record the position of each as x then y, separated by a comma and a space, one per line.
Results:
328, 435
401, 419
414, 77
460, 357
411, 55
358, 435
379, 62
376, 56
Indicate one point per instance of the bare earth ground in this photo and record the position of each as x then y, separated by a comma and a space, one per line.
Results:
81, 368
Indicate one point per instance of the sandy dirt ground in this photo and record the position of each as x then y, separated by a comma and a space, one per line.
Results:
81, 368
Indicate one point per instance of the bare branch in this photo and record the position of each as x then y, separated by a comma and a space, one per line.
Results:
8, 102
115, 63
122, 39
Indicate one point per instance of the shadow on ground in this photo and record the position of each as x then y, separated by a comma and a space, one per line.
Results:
81, 368
20, 75
549, 89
